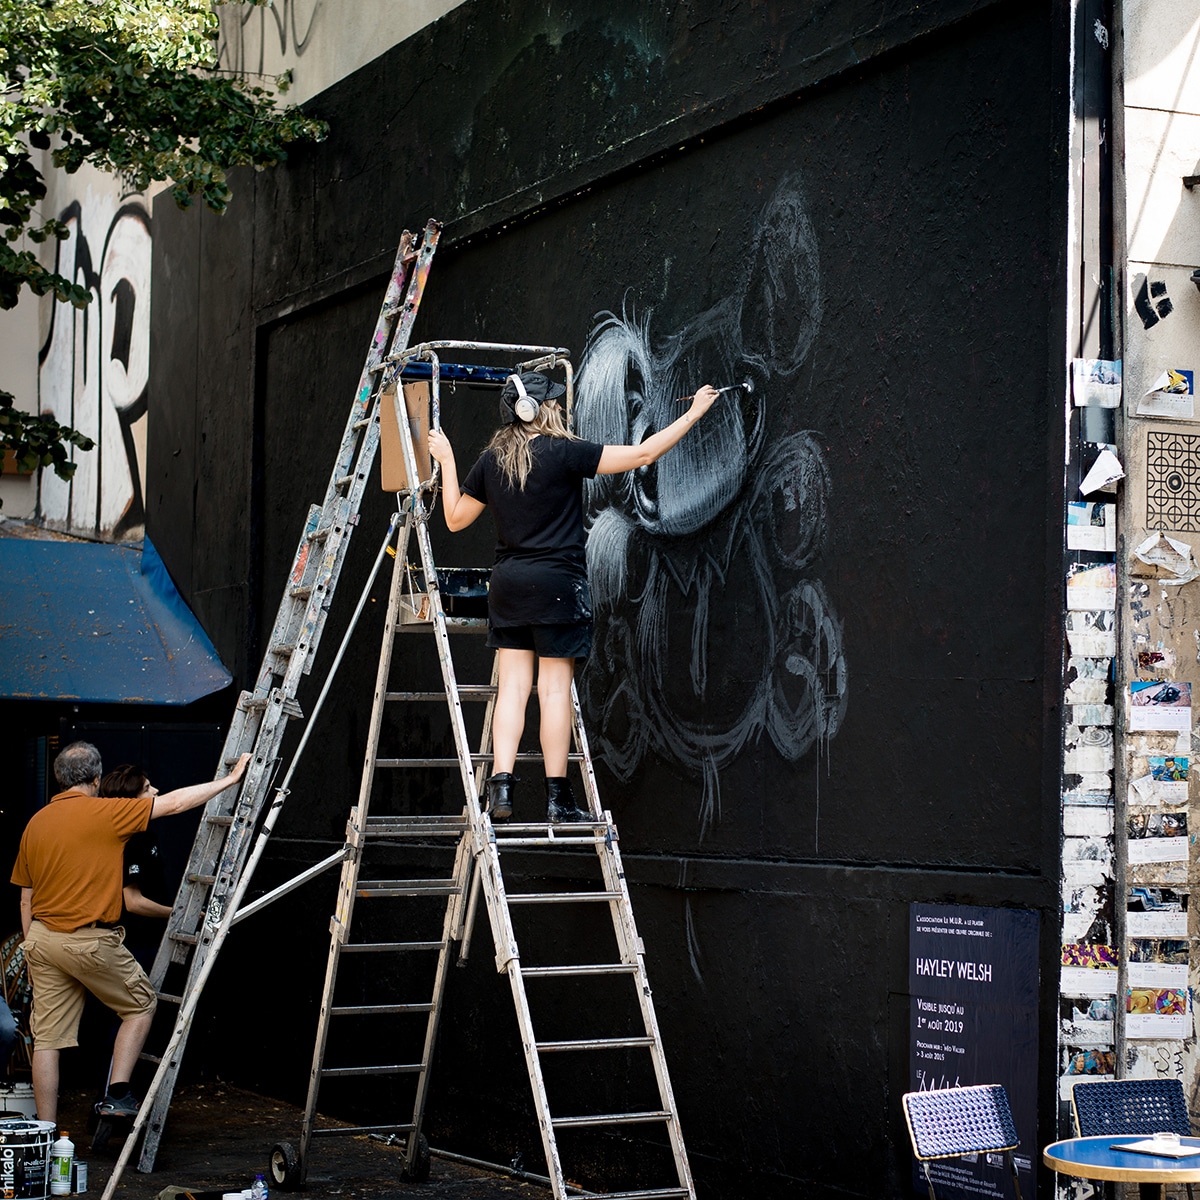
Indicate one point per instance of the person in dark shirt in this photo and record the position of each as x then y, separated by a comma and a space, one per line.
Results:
539, 608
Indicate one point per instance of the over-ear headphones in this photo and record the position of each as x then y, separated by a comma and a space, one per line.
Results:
525, 406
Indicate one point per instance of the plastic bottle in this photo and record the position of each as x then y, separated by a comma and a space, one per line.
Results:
61, 1155
259, 1188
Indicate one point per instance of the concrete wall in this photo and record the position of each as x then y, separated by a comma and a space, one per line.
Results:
827, 679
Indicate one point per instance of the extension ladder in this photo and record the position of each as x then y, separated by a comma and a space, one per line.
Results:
475, 850
234, 829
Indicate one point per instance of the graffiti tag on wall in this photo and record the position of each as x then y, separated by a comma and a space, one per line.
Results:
699, 564
94, 366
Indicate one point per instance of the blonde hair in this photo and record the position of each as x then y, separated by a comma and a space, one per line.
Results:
510, 443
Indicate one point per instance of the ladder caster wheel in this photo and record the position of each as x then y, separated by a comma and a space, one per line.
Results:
419, 1172
285, 1166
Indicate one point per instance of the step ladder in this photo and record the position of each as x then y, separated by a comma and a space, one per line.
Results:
422, 600
240, 819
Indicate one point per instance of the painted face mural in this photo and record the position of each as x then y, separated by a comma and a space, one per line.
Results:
710, 633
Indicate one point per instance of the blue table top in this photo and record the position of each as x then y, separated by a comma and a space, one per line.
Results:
1096, 1158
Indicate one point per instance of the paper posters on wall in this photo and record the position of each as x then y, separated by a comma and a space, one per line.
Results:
1160, 704
1164, 783
1088, 1063
1096, 382
973, 988
1157, 837
1156, 1001
1156, 912
1088, 970
1092, 588
1171, 395
1091, 526
1159, 950
1104, 474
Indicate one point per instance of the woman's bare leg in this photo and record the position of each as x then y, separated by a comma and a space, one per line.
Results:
515, 682
554, 699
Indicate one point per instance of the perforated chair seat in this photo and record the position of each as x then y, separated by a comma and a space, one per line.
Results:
951, 1122
1126, 1107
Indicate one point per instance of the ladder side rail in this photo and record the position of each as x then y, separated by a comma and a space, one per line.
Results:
247, 734
463, 867
590, 790
633, 952
235, 869
339, 925
339, 931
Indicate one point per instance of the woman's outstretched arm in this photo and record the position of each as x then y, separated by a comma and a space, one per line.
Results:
616, 459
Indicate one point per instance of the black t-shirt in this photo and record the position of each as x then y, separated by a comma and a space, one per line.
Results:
143, 870
540, 576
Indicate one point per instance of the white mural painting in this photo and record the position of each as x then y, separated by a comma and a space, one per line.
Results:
710, 632
94, 366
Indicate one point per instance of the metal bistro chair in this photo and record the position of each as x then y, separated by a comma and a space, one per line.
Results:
1130, 1107
953, 1122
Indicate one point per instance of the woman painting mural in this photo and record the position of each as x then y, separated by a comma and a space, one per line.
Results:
539, 611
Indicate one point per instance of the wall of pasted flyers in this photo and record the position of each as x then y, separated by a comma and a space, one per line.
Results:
1133, 606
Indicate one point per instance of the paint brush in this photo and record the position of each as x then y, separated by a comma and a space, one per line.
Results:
747, 386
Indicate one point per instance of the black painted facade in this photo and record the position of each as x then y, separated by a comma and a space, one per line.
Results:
907, 162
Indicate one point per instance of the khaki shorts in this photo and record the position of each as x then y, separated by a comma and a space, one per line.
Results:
64, 966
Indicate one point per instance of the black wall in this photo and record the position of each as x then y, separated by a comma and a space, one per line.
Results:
862, 207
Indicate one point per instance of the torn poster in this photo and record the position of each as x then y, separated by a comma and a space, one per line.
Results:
1156, 1012
1096, 382
1088, 970
1156, 912
1165, 782
1092, 634
1160, 704
1092, 588
1091, 526
1157, 837
1084, 1022
1159, 950
1173, 560
1104, 474
1171, 395
1090, 1063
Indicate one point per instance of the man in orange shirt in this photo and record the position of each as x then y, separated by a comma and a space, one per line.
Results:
69, 870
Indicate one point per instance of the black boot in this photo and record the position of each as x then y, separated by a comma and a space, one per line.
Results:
560, 802
499, 792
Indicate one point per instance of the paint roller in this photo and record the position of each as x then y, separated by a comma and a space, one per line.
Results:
747, 386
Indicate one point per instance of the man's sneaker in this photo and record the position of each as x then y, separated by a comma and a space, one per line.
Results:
110, 1106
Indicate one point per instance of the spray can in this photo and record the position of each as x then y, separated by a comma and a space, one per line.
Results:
62, 1154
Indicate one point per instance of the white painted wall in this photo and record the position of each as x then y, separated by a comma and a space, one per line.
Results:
88, 381
322, 41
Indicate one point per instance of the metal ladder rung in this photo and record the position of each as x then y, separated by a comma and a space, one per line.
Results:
363, 423
378, 947
582, 969
631, 1118
370, 1010
169, 997
481, 691
318, 535
651, 1194
561, 897
283, 650
220, 819
151, 1058
553, 839
254, 704
390, 1069
343, 481
449, 826
351, 1130
622, 1043
302, 592
184, 939
210, 879
398, 763
406, 887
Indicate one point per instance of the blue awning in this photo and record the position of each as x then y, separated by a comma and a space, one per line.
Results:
97, 623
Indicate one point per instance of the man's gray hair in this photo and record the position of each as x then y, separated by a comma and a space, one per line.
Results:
78, 763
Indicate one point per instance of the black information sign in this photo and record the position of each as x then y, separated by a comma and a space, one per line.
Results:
973, 983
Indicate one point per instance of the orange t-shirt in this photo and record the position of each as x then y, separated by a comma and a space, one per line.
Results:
71, 855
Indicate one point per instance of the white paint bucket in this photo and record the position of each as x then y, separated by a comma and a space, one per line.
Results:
16, 1100
25, 1158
